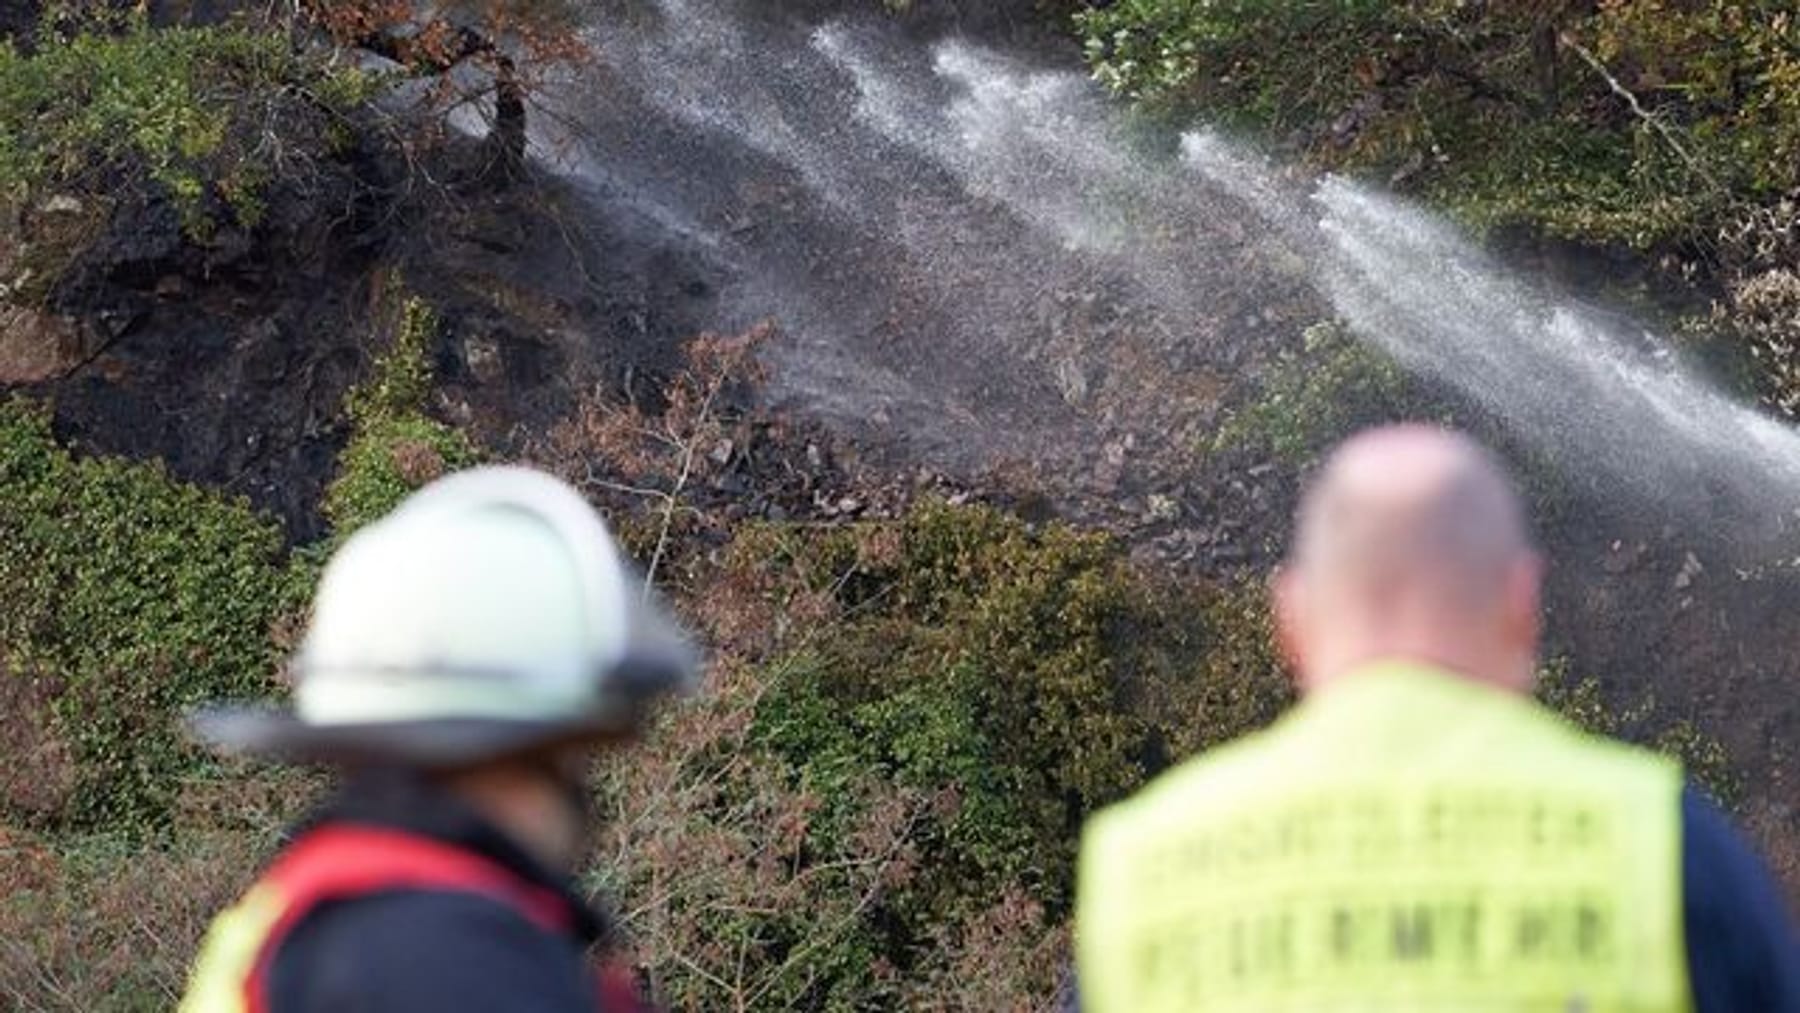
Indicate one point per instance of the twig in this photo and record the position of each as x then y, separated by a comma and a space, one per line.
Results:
828, 934
1637, 108
689, 447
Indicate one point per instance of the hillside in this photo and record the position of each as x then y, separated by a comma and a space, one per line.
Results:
959, 416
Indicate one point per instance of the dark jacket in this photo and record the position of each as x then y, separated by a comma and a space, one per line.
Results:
416, 950
1742, 950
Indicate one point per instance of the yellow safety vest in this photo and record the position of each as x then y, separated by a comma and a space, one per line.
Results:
1404, 840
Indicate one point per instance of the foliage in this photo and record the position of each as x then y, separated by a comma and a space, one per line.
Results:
1639, 122
945, 698
435, 36
394, 446
104, 106
1583, 703
105, 921
1233, 54
727, 903
1764, 311
647, 468
1334, 384
129, 597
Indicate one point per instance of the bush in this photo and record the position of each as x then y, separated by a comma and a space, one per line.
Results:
1230, 58
104, 921
1333, 385
129, 596
1764, 312
898, 779
1507, 113
198, 113
394, 447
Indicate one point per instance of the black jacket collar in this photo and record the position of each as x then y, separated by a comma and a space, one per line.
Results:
410, 803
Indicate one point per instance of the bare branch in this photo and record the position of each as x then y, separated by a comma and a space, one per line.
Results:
1654, 121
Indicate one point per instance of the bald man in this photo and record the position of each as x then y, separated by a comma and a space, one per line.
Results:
1418, 834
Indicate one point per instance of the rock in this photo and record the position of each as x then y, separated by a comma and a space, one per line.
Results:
63, 204
35, 346
1408, 169
1071, 381
268, 353
1621, 558
1690, 568
1228, 555
1107, 476
481, 353
370, 62
721, 452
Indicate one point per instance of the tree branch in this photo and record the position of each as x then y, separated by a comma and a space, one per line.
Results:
1637, 108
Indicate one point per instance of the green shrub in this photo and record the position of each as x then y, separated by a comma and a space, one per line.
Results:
1484, 107
194, 111
1580, 700
1017, 665
1233, 58
129, 596
1336, 383
909, 762
394, 447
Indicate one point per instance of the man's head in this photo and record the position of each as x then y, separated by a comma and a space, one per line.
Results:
1410, 544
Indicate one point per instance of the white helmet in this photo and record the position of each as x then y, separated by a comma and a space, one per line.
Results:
490, 614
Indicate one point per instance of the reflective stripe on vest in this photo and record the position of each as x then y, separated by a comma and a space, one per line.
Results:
1404, 840
338, 863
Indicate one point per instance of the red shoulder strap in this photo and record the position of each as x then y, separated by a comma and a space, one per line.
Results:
341, 862
617, 991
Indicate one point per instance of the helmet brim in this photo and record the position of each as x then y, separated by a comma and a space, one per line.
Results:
658, 661
439, 743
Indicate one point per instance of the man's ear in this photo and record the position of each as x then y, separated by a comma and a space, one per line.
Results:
1524, 603
1289, 602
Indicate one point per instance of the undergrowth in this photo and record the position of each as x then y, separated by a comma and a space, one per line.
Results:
395, 446
1334, 384
1639, 122
104, 105
129, 596
1582, 701
886, 787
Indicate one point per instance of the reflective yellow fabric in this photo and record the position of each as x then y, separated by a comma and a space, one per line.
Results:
229, 953
1404, 840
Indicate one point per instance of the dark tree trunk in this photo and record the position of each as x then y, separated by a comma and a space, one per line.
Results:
1544, 54
507, 137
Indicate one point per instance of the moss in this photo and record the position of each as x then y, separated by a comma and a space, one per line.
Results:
1582, 702
394, 447
133, 595
110, 102
1334, 384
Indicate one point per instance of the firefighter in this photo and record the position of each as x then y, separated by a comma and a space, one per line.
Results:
467, 656
1418, 834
